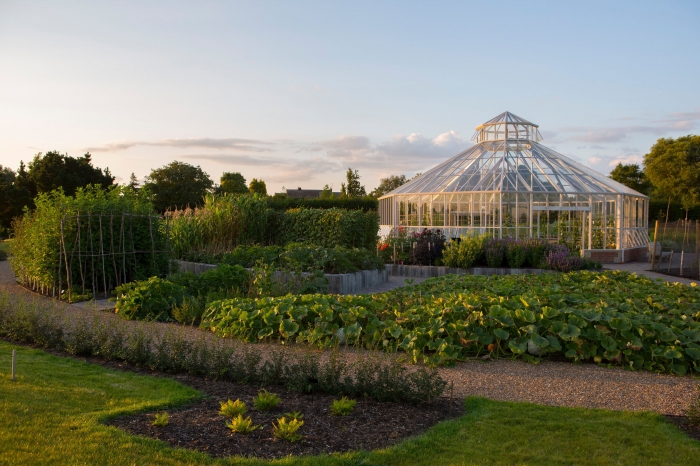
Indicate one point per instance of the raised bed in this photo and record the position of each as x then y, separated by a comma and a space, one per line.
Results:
428, 271
341, 283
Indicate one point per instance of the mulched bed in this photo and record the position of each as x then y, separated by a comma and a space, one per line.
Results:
683, 424
371, 425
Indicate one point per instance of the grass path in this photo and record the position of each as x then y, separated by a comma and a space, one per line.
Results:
52, 414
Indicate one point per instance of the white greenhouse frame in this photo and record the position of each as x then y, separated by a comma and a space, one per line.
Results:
540, 193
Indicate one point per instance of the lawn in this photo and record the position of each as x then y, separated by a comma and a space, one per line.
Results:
52, 414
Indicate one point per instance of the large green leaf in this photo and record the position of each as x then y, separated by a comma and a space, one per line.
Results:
500, 333
288, 328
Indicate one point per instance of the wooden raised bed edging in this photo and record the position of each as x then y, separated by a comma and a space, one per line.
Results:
341, 283
429, 271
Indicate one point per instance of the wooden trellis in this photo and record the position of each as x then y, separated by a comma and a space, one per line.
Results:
100, 251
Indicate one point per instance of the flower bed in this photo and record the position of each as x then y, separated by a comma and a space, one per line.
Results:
612, 317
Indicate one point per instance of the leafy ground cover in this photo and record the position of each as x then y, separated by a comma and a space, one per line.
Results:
612, 317
53, 414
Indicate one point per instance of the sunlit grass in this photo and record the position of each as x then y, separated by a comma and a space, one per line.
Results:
52, 414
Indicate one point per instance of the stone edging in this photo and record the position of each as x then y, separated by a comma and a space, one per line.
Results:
341, 283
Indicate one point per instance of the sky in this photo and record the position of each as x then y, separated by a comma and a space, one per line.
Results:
295, 93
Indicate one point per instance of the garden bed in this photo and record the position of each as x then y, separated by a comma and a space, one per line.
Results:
372, 425
340, 283
429, 271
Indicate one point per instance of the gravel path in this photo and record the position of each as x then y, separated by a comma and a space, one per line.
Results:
548, 383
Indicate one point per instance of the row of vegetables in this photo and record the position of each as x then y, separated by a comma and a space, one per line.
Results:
608, 317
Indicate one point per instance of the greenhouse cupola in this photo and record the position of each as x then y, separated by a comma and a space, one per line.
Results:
510, 185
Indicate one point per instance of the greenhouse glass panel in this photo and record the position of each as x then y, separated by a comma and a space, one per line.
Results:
510, 185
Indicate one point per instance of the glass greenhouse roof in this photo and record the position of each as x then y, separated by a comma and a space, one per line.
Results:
509, 158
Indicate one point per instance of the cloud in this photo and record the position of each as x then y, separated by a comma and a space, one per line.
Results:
209, 143
626, 160
674, 122
417, 145
234, 159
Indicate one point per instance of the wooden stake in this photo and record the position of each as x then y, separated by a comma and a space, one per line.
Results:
653, 250
14, 357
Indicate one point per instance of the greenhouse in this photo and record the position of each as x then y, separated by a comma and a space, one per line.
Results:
510, 185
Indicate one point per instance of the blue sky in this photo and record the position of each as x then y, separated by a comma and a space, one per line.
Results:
294, 93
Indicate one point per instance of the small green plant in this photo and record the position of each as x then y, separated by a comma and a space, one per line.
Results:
266, 401
294, 416
160, 420
232, 408
343, 406
241, 425
287, 430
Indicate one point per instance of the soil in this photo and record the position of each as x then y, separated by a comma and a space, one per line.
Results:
683, 424
372, 424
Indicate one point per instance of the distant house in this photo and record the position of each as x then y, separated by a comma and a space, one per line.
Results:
307, 193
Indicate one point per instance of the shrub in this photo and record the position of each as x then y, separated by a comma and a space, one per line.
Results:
242, 425
287, 430
494, 250
160, 420
428, 247
150, 299
343, 406
330, 227
516, 253
465, 252
266, 401
535, 250
232, 408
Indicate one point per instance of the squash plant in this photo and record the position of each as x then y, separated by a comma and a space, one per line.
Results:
613, 316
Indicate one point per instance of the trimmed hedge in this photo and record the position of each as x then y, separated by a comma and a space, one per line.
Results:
330, 227
366, 204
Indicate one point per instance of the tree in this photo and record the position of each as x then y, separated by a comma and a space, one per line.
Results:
232, 183
13, 198
178, 184
633, 177
257, 186
133, 182
673, 167
53, 170
388, 184
326, 193
353, 188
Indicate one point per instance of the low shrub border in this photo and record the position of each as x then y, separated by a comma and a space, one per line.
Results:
372, 375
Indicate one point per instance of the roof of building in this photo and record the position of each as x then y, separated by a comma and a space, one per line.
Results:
509, 158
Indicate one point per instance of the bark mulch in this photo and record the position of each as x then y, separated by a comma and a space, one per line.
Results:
370, 426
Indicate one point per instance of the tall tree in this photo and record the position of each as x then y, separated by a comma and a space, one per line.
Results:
352, 188
232, 183
257, 187
54, 170
326, 193
673, 167
178, 185
633, 177
388, 184
13, 198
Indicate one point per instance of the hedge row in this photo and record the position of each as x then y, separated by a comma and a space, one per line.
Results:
227, 221
366, 204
